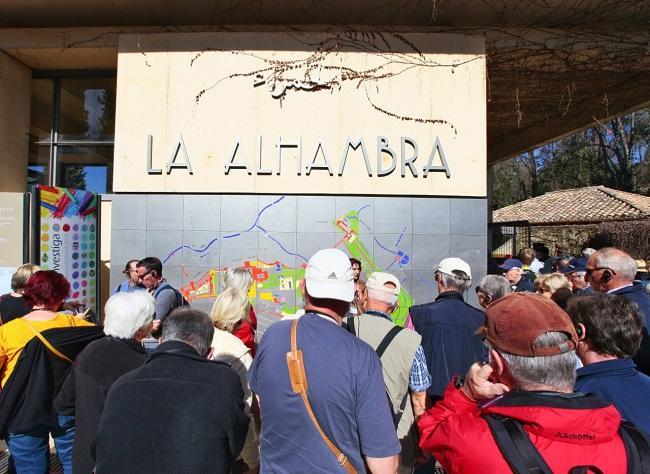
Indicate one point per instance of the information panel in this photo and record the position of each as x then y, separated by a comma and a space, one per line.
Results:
68, 239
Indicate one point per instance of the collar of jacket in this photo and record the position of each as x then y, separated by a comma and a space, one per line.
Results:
613, 365
180, 349
450, 295
130, 343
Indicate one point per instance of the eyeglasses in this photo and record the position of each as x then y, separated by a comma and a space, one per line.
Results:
141, 277
478, 290
589, 271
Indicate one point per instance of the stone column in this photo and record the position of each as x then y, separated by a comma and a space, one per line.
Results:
15, 98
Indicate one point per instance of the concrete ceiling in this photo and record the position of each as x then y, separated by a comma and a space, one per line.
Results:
554, 66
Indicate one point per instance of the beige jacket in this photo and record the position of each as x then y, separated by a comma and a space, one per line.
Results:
230, 349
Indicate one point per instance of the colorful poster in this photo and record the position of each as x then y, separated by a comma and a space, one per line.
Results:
68, 239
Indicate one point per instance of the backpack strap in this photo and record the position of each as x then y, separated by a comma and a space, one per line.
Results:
516, 447
637, 448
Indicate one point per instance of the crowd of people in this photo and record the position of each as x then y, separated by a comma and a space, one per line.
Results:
548, 375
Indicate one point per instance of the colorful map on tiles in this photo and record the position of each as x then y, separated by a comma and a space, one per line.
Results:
199, 237
68, 231
276, 290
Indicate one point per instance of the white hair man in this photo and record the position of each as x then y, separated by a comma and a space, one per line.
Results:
344, 378
128, 319
610, 270
447, 326
520, 408
403, 362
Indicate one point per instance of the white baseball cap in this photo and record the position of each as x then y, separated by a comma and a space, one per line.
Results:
329, 275
448, 265
377, 280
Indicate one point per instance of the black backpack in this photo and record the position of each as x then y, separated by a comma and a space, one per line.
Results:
523, 457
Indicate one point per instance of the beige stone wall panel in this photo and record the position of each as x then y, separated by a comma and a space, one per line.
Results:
415, 79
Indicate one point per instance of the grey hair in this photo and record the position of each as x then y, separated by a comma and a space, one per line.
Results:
495, 286
557, 371
240, 278
386, 297
458, 281
191, 326
126, 313
617, 260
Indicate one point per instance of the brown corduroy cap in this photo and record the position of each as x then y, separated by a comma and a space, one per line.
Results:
514, 322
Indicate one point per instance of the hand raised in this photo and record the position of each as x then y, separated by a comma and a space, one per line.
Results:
478, 386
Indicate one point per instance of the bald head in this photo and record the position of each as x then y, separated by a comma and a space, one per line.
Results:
610, 268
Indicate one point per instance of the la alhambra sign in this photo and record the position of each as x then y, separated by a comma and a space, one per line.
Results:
309, 113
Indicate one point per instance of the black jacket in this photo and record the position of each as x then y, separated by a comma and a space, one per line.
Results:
26, 398
447, 327
178, 413
84, 391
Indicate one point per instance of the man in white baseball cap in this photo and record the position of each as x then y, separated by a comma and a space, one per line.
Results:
447, 326
344, 378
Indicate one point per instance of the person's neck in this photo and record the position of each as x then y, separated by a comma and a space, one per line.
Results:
545, 388
591, 357
40, 314
617, 283
325, 311
381, 308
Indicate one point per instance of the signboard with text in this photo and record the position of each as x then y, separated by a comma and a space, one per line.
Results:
377, 113
68, 238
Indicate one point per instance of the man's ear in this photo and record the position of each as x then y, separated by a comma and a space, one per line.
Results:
497, 362
581, 331
302, 286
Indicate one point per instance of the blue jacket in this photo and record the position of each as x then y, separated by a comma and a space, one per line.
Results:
524, 285
638, 294
447, 327
619, 382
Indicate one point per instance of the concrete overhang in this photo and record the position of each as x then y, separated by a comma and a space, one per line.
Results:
553, 67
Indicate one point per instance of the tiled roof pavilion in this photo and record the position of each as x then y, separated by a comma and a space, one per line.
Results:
577, 206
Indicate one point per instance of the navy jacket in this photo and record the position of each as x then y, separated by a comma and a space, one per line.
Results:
447, 327
524, 285
619, 382
638, 294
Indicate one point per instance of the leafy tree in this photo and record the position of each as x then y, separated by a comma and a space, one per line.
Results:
615, 154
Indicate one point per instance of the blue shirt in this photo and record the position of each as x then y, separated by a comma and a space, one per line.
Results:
618, 381
125, 287
346, 392
419, 378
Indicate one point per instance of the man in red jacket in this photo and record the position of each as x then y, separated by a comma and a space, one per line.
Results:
526, 388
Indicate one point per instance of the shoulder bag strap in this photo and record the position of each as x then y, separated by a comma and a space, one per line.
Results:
515, 446
298, 379
45, 342
637, 448
388, 338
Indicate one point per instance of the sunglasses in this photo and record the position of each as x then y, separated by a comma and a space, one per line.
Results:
589, 271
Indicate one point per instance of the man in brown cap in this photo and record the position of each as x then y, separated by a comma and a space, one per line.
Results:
518, 412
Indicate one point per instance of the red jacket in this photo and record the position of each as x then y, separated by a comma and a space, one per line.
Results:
246, 331
567, 430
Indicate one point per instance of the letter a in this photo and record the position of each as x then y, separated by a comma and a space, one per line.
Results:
179, 148
430, 167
